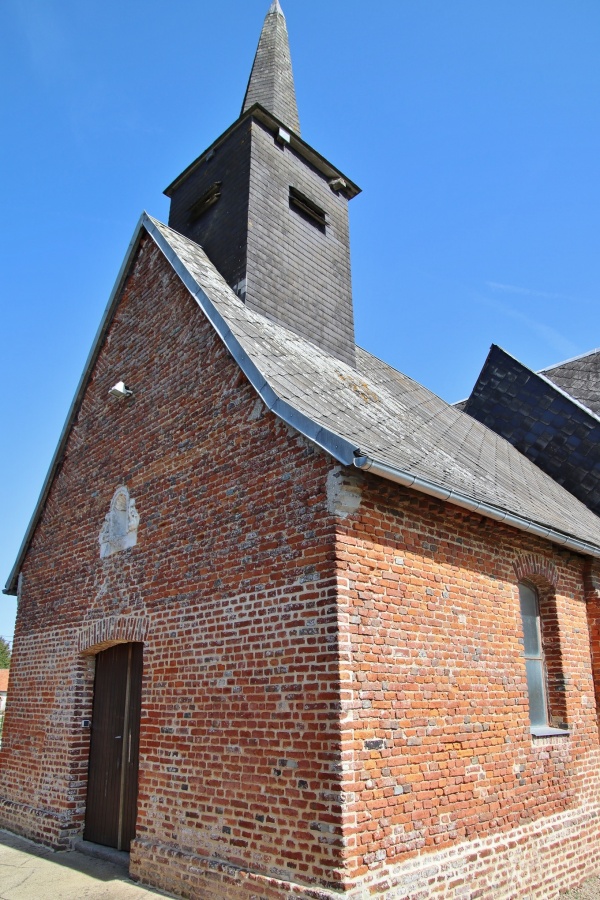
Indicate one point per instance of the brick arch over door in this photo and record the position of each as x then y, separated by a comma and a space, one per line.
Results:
103, 633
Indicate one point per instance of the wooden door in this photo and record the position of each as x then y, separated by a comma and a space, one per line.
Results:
114, 746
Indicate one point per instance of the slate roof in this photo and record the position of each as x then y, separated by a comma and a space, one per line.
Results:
385, 415
372, 412
271, 80
553, 429
579, 377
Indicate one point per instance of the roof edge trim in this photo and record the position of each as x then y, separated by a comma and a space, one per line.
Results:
570, 360
543, 377
367, 464
338, 447
11, 584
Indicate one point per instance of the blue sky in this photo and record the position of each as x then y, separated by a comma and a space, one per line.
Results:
473, 129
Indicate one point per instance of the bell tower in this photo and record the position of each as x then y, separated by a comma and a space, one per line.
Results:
270, 212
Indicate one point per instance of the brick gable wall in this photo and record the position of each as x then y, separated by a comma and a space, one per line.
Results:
231, 586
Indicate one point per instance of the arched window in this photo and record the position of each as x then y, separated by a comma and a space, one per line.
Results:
534, 655
543, 659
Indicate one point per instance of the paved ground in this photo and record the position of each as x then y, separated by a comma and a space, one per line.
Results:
29, 871
589, 890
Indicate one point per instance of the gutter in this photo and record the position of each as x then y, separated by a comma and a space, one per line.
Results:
398, 476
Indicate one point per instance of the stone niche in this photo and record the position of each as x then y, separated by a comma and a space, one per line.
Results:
120, 528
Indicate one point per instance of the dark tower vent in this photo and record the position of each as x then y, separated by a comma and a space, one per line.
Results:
307, 209
205, 202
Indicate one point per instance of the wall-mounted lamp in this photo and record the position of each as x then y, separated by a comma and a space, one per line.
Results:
120, 391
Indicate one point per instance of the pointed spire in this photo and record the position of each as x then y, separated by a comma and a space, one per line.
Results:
271, 80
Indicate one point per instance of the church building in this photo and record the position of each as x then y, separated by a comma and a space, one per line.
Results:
289, 625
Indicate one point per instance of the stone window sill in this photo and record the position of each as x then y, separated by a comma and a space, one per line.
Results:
547, 731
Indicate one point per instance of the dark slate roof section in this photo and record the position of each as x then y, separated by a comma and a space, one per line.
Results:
271, 81
579, 377
371, 412
552, 429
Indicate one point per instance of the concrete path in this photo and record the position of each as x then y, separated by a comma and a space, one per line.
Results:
29, 871
589, 890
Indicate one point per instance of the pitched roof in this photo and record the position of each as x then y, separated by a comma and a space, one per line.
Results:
271, 81
386, 416
372, 416
552, 428
579, 377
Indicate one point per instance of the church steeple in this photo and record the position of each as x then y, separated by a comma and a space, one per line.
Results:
270, 212
271, 81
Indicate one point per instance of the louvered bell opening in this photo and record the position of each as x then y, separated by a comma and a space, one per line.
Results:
308, 210
199, 207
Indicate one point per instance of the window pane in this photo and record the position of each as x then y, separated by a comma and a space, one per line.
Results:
535, 686
530, 614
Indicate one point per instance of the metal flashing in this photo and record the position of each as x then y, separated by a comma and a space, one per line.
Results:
367, 464
570, 360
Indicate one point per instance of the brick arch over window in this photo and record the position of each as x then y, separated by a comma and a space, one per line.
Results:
533, 566
103, 633
540, 573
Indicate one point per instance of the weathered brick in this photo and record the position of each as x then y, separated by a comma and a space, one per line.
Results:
330, 701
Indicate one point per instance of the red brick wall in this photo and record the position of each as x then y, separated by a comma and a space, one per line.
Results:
437, 746
592, 589
231, 587
335, 700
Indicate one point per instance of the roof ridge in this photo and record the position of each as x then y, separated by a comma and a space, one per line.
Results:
570, 360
